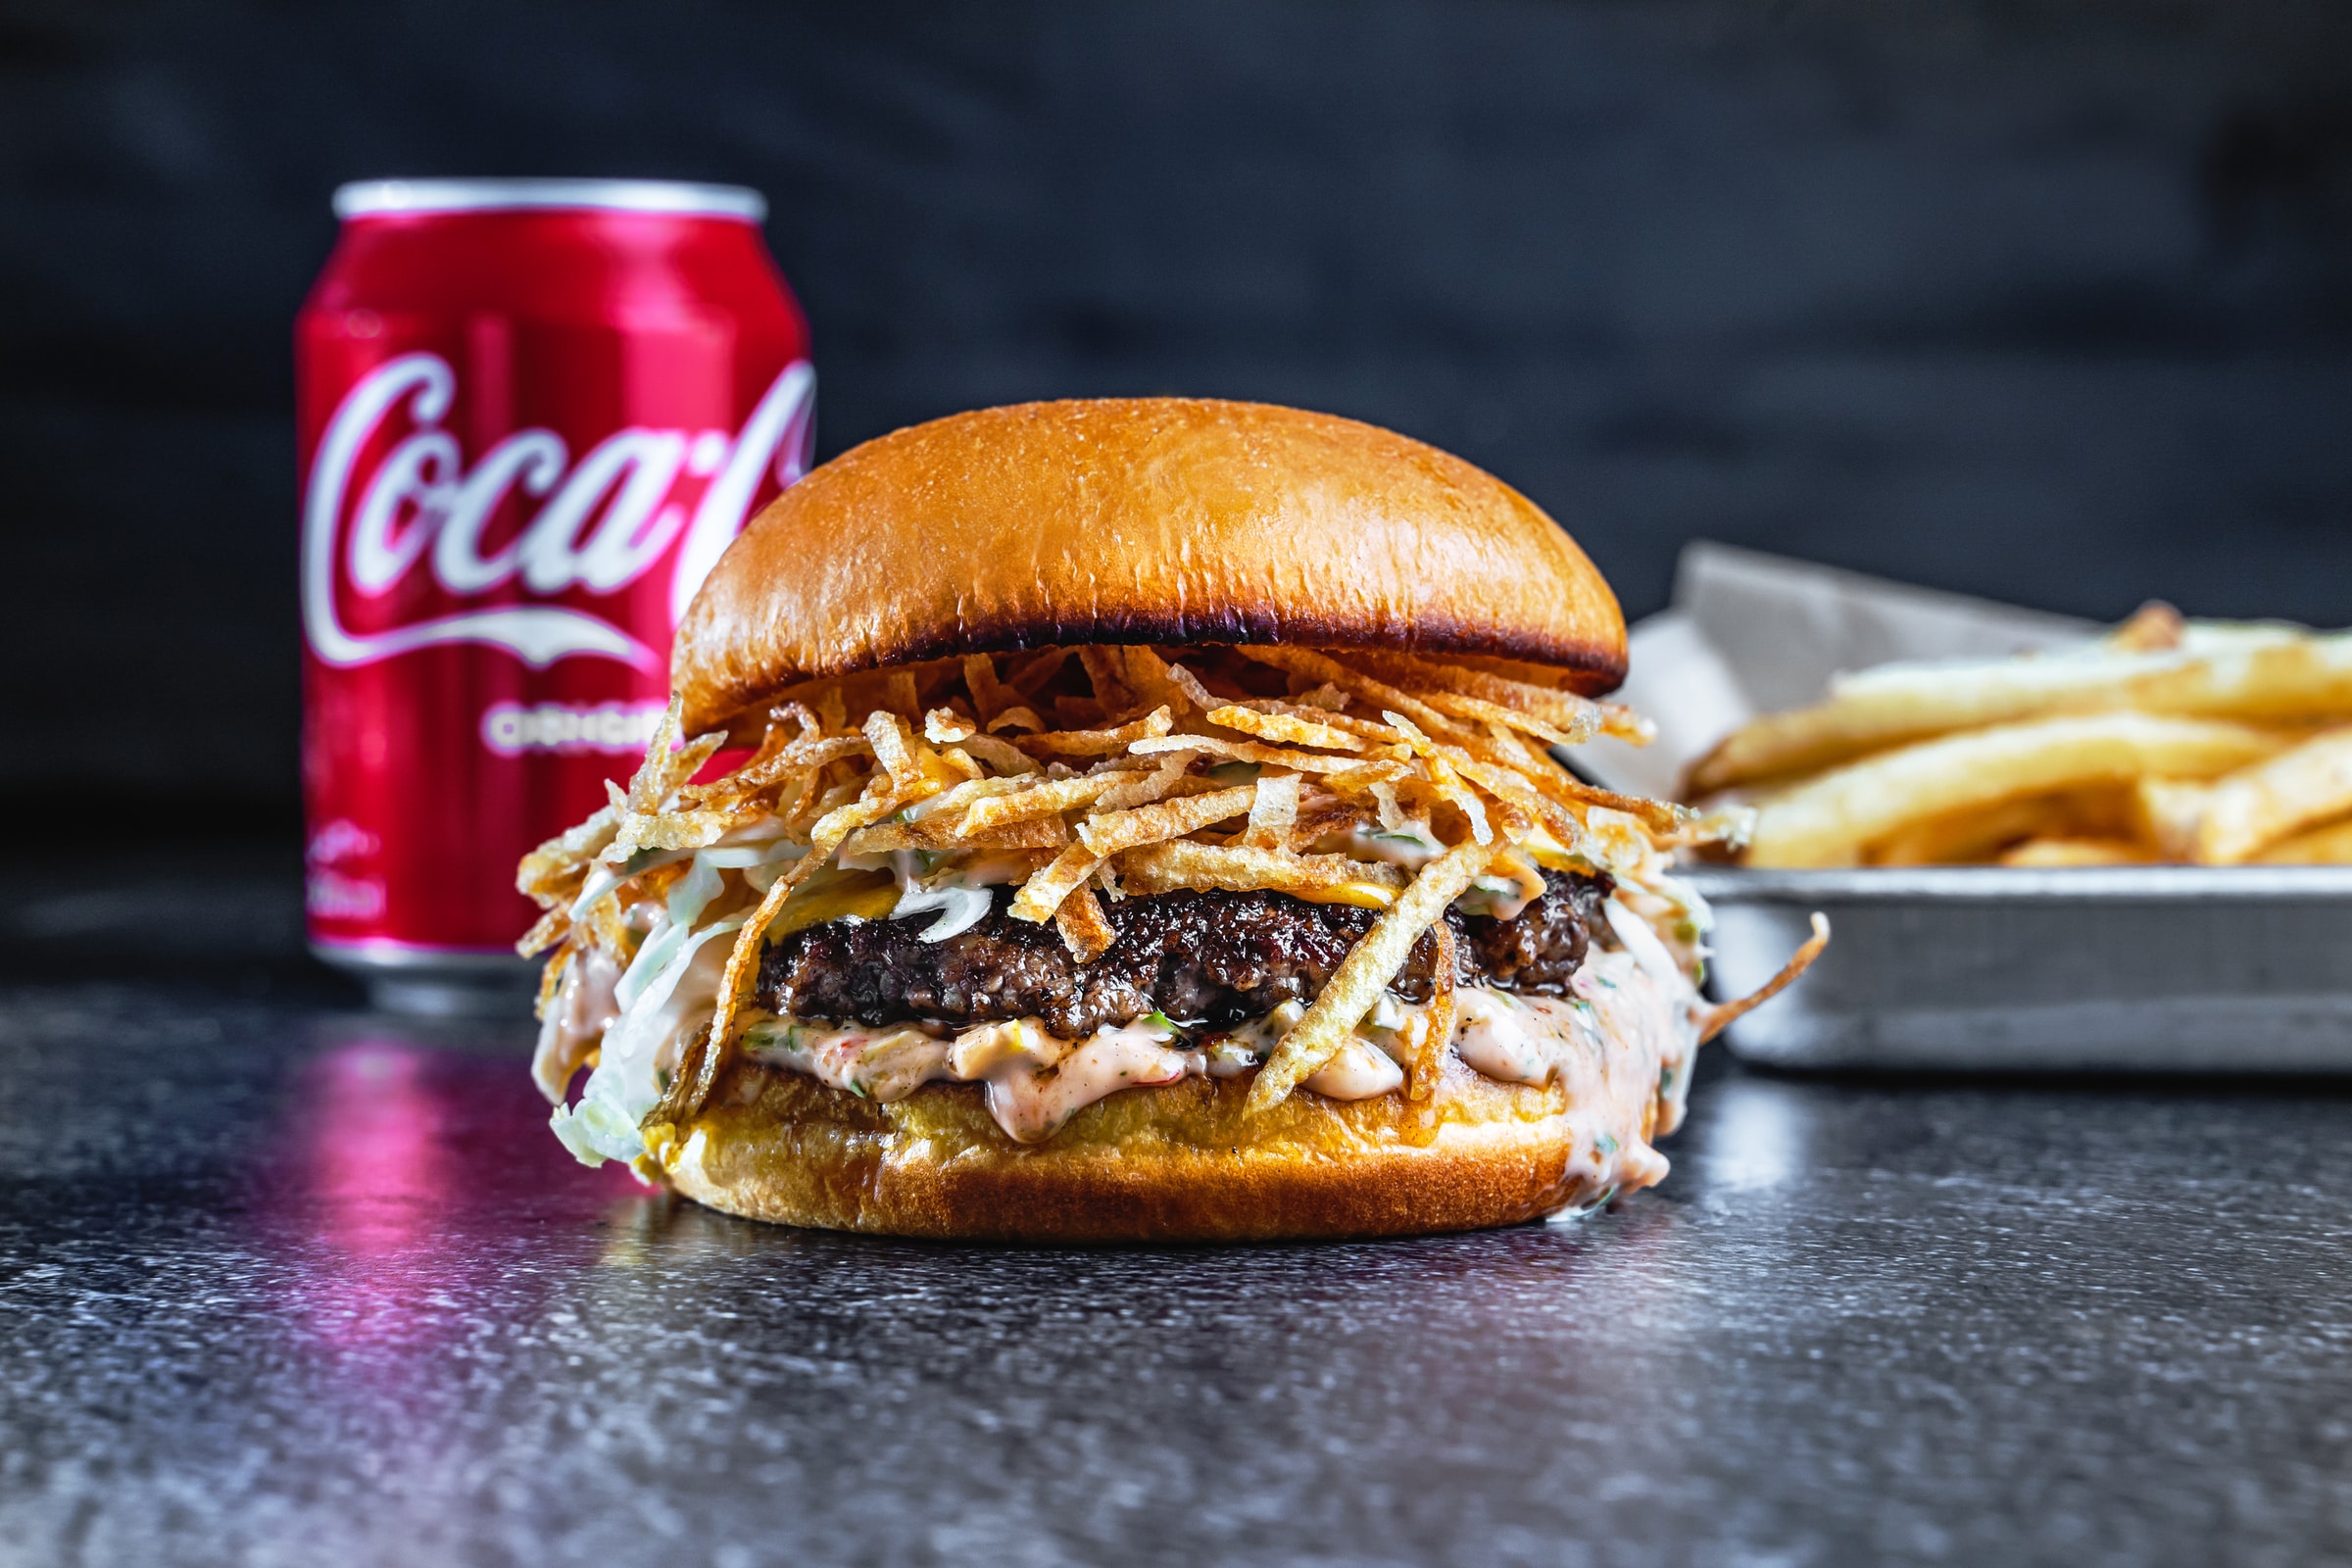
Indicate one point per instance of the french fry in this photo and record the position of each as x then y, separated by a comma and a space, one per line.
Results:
1369, 728
1833, 819
1330, 814
678, 830
960, 796
2155, 627
2330, 845
1443, 779
2169, 815
1985, 832
2061, 853
799, 715
1480, 711
657, 775
768, 767
2269, 679
1326, 696
1364, 777
1506, 785
1498, 777
2255, 807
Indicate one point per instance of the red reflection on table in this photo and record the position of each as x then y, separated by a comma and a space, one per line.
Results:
420, 1183
380, 1171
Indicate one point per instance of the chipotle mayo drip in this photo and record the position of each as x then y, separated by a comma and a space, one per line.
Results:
582, 1008
1036, 1082
1620, 1045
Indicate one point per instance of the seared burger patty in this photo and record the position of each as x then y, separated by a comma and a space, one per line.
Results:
1218, 957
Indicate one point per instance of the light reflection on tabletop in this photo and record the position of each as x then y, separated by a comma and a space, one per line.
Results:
285, 1286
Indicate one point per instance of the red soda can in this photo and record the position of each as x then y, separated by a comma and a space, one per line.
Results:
531, 413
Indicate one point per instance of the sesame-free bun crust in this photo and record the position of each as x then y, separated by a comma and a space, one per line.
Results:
1163, 520
1177, 1163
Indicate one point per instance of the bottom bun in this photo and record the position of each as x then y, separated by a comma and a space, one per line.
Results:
1180, 1162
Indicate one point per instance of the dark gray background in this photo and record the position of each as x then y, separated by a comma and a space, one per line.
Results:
2050, 300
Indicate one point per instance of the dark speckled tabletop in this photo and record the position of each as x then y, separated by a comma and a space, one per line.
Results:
283, 1282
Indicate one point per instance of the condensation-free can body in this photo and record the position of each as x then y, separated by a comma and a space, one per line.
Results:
531, 415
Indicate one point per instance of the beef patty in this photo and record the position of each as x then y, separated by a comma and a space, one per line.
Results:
1220, 958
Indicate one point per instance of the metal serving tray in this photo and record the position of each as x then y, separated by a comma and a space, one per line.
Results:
2153, 968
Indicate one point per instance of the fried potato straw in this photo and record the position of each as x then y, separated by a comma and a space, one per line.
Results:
1722, 1017
1236, 770
1366, 972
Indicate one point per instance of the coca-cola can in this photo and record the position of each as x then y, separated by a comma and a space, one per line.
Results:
531, 413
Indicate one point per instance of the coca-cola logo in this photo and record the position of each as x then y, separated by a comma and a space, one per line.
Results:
601, 524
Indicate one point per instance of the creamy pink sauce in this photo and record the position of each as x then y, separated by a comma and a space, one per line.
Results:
583, 1010
1622, 1044
1036, 1082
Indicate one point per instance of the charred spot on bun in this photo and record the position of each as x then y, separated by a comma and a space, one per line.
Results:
1131, 820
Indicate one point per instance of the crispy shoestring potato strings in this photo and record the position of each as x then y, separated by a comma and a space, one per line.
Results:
1114, 772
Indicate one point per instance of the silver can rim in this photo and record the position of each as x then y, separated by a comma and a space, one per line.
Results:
373, 198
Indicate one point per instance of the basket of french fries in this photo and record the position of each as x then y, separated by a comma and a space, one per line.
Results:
2130, 848
2202, 744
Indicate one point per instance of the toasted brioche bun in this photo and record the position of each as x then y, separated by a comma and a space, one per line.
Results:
1175, 1163
1163, 520
1149, 520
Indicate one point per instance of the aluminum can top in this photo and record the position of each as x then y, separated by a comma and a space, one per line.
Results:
382, 198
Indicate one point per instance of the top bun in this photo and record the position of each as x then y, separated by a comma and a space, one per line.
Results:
1163, 520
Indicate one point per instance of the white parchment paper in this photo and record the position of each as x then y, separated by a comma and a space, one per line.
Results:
1749, 633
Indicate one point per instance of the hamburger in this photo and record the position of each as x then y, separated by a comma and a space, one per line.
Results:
1125, 820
